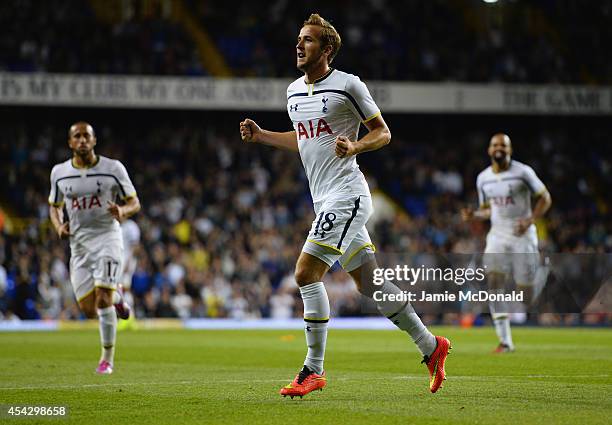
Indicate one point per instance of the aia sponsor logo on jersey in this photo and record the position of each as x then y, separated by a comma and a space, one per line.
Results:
309, 130
86, 203
502, 201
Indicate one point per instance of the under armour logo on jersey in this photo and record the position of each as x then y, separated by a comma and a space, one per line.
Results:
293, 107
324, 100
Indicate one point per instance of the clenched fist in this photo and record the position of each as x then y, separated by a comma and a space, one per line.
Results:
116, 211
249, 131
63, 231
344, 147
521, 226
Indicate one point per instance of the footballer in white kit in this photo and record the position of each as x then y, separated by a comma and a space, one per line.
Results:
96, 244
327, 107
505, 190
87, 186
508, 194
340, 193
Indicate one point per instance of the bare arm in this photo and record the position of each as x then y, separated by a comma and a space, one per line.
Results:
481, 214
378, 136
57, 219
250, 132
542, 205
121, 212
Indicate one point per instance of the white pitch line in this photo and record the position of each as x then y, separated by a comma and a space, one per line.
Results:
242, 381
124, 384
481, 377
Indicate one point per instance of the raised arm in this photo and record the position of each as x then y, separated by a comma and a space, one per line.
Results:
250, 132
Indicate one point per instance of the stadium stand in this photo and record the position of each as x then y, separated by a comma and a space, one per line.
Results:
223, 222
68, 37
511, 41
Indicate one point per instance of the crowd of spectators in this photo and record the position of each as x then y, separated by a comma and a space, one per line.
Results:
510, 41
468, 40
223, 222
66, 36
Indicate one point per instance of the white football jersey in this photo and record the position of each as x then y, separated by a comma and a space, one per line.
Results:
86, 193
334, 105
508, 194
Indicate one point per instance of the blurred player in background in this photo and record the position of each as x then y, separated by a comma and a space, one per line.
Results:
505, 189
88, 186
327, 107
131, 238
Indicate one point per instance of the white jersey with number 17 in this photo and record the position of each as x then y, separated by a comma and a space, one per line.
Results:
86, 193
334, 105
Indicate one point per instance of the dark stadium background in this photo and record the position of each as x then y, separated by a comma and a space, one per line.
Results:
233, 216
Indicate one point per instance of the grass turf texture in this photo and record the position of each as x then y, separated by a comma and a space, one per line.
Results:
195, 377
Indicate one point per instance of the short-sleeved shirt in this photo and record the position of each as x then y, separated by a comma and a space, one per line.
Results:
86, 192
334, 105
508, 194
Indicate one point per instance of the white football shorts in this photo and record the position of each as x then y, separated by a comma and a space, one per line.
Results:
338, 232
513, 254
96, 268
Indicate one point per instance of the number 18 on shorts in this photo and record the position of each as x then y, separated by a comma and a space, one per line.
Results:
338, 230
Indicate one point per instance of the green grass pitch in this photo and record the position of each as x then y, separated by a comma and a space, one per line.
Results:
233, 377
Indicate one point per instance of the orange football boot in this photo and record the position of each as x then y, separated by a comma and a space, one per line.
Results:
503, 348
435, 363
304, 382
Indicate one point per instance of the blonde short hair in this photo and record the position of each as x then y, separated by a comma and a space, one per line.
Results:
329, 35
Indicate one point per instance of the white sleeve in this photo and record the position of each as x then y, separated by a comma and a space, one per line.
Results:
360, 100
56, 197
533, 181
126, 188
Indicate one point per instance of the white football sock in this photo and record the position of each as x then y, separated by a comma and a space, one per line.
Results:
316, 318
108, 332
403, 316
501, 321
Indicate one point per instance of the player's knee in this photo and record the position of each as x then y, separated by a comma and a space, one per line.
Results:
363, 277
89, 311
305, 276
104, 298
